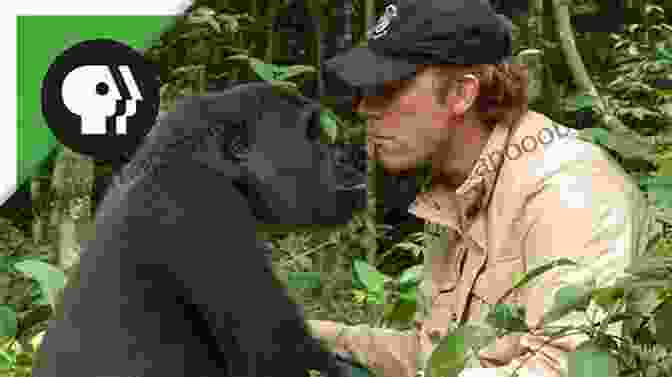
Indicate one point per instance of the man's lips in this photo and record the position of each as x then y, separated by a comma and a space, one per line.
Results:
381, 143
376, 143
379, 139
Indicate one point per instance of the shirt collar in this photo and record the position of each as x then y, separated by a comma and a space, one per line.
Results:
457, 209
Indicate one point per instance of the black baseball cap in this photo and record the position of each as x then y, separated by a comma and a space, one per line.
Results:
412, 32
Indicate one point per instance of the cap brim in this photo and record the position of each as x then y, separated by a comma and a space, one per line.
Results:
360, 67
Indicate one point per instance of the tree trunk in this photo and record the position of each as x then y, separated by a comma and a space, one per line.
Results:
551, 89
369, 16
72, 185
39, 192
530, 36
272, 12
585, 84
316, 53
344, 41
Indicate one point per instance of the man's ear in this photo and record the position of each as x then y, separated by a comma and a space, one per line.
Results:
466, 92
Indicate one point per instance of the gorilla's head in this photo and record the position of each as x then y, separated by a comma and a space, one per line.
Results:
269, 146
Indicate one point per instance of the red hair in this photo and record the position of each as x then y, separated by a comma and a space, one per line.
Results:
503, 95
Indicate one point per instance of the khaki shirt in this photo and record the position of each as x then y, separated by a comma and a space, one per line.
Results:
537, 194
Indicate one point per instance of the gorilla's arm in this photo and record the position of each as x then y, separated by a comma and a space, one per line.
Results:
205, 239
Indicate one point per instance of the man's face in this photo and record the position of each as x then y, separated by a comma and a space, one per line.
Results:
406, 124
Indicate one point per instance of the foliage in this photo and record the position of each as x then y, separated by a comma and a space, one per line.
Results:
599, 356
30, 287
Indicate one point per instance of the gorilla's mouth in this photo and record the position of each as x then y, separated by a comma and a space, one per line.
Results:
350, 162
255, 199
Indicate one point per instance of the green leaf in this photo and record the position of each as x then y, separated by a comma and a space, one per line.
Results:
663, 54
238, 57
588, 360
24, 360
517, 276
537, 272
663, 321
265, 71
650, 8
286, 87
8, 321
544, 268
411, 295
187, 69
51, 279
295, 70
404, 309
230, 21
450, 356
584, 102
666, 156
329, 123
204, 15
7, 360
594, 135
606, 297
665, 167
202, 12
304, 280
530, 51
372, 279
410, 277
376, 298
659, 188
572, 295
508, 317
568, 299
6, 262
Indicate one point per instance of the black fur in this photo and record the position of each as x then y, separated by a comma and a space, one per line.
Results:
175, 282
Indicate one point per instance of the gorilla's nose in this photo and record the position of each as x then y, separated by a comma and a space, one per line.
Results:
351, 163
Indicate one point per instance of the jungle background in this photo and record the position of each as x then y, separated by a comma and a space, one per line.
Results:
601, 66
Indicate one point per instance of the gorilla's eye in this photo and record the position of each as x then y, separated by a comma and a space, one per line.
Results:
239, 147
238, 143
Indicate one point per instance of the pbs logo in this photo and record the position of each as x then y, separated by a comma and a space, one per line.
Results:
100, 98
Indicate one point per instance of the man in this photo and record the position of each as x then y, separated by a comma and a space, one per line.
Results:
511, 189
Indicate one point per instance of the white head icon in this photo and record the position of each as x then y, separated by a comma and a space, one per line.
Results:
91, 92
131, 105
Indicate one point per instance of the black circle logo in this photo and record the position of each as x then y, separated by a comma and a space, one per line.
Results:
100, 98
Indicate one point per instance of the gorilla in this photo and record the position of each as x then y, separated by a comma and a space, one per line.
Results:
175, 281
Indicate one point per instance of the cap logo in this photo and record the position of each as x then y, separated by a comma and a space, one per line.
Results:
383, 23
